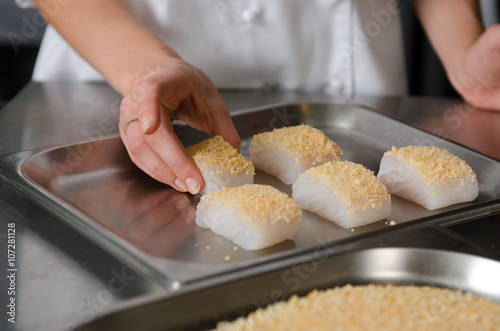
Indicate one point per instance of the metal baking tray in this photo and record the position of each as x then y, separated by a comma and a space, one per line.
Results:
96, 189
202, 308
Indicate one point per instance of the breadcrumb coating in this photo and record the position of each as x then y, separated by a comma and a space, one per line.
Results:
217, 156
304, 143
257, 204
357, 187
375, 307
436, 166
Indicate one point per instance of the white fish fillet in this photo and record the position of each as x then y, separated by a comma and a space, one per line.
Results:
249, 216
215, 180
276, 163
220, 164
324, 195
403, 180
287, 152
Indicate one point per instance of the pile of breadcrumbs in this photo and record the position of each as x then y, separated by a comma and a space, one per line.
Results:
375, 307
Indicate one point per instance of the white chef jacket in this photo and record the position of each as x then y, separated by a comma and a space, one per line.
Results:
340, 47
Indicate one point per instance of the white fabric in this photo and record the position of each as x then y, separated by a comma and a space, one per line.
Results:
336, 46
25, 3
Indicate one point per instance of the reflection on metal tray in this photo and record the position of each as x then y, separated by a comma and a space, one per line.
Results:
399, 266
94, 187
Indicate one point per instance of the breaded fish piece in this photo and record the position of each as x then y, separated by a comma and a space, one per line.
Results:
221, 164
252, 216
343, 192
287, 152
429, 176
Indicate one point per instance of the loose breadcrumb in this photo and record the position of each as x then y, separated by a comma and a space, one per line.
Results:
257, 204
304, 143
436, 166
227, 258
375, 307
218, 156
353, 184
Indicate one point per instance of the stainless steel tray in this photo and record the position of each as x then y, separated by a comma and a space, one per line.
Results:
94, 187
202, 308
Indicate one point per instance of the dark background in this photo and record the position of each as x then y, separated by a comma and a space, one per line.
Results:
16, 67
426, 76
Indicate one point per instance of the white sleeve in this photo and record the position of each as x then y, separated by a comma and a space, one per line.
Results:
26, 3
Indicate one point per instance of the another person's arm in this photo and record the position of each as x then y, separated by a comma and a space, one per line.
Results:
158, 86
470, 54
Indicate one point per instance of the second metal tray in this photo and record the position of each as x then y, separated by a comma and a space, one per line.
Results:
398, 266
94, 187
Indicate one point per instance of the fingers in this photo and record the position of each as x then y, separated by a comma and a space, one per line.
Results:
145, 157
160, 154
210, 114
221, 122
224, 126
174, 89
143, 97
478, 84
168, 147
201, 107
164, 88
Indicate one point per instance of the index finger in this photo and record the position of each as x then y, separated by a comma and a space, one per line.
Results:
169, 148
223, 125
213, 118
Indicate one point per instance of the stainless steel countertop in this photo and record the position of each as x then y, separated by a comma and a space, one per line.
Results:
64, 279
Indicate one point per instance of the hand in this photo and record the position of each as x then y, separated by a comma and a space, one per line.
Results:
478, 80
172, 90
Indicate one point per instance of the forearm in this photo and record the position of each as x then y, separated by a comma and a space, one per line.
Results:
452, 27
107, 34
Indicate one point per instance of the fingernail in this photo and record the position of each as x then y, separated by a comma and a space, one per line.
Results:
193, 185
145, 123
180, 185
